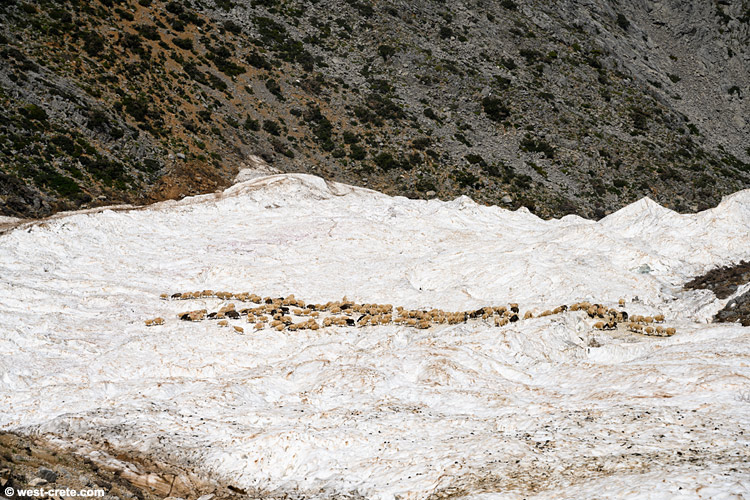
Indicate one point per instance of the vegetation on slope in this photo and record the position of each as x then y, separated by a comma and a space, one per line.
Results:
139, 100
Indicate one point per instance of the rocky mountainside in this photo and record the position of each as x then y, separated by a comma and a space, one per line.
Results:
580, 106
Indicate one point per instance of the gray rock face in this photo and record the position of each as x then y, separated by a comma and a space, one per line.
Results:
47, 474
579, 106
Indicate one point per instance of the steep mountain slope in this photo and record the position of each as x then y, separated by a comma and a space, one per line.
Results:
572, 107
543, 407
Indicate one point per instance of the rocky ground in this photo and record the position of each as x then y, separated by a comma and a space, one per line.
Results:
724, 282
36, 463
737, 310
574, 107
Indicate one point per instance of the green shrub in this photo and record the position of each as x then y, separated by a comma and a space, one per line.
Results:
350, 137
445, 32
430, 113
215, 82
131, 41
384, 108
532, 145
357, 152
34, 112
93, 43
320, 126
465, 179
183, 43
623, 22
272, 127
421, 143
386, 161
509, 63
175, 8
495, 109
258, 61
232, 27
386, 51
149, 31
251, 124
274, 88
639, 117
475, 159
531, 55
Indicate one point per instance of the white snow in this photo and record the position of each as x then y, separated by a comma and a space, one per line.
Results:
529, 410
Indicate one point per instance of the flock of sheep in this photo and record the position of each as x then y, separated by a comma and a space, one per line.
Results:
289, 313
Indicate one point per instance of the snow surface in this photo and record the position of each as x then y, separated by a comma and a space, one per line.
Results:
530, 410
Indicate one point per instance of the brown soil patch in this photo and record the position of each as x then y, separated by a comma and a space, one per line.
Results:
191, 178
723, 281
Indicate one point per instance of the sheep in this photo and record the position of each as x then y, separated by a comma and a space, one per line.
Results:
648, 320
259, 326
501, 321
599, 325
513, 318
560, 309
545, 314
280, 328
635, 327
228, 307
528, 315
670, 332
610, 325
193, 315
239, 329
477, 313
223, 322
423, 324
575, 307
621, 302
659, 318
155, 322
514, 307
649, 330
327, 322
659, 330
